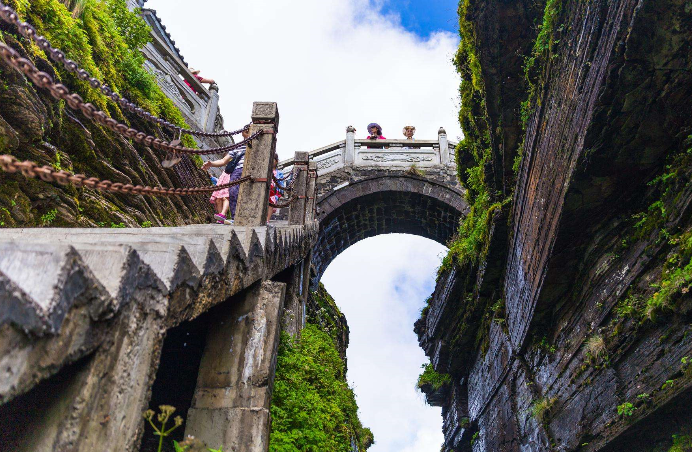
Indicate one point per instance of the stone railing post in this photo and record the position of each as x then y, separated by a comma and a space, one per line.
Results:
253, 197
311, 193
212, 109
296, 212
350, 149
444, 146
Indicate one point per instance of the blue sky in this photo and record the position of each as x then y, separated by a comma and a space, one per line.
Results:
424, 17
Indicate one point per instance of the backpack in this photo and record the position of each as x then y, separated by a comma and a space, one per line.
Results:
230, 167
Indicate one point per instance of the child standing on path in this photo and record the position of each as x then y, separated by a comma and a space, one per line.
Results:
227, 198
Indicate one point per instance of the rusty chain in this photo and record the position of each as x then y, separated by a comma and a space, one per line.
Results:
75, 101
10, 16
30, 169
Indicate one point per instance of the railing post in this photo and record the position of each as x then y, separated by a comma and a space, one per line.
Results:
253, 197
311, 193
296, 211
212, 109
444, 146
350, 149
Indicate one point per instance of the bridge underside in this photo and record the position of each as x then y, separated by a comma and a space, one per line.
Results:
385, 205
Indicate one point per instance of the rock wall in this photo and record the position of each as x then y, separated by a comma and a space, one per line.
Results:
571, 330
35, 126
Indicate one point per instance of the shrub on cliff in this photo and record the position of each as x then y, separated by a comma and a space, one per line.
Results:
312, 407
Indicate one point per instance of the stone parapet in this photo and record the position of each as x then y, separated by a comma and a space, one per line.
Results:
110, 295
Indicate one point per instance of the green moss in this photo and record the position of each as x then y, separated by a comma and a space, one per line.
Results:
626, 409
541, 408
313, 409
541, 53
432, 378
681, 443
470, 244
534, 66
326, 314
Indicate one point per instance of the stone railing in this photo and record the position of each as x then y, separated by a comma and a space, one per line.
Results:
389, 153
200, 108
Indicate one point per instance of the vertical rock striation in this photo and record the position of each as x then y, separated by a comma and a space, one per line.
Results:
571, 330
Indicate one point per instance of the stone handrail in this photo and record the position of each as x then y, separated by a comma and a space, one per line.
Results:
364, 152
200, 108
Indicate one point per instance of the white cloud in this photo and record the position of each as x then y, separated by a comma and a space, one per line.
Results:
328, 63
381, 284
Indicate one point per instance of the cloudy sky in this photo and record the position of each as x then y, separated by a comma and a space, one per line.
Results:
330, 64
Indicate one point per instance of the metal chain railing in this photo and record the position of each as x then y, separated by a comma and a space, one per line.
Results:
10, 16
75, 101
29, 169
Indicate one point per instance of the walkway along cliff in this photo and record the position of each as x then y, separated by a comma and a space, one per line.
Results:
561, 316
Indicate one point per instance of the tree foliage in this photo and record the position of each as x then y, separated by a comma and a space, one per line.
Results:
313, 408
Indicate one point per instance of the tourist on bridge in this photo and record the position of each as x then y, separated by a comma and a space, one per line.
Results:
276, 189
375, 132
409, 131
227, 198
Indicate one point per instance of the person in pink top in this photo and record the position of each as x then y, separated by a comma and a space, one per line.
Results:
195, 73
375, 131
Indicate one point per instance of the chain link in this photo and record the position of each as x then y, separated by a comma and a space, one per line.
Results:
75, 101
10, 16
30, 169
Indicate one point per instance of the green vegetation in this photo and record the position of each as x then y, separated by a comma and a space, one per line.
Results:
541, 408
541, 53
681, 443
49, 217
668, 384
595, 348
160, 431
626, 409
432, 378
104, 38
546, 346
326, 314
146, 224
474, 438
312, 407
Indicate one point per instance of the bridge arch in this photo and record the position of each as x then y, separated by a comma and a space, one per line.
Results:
385, 204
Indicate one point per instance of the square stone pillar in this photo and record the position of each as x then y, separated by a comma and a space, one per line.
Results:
253, 197
230, 409
296, 211
311, 193
350, 149
444, 146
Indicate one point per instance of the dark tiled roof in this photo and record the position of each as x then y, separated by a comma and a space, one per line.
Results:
168, 35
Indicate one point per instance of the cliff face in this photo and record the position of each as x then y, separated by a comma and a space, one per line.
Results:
105, 40
569, 327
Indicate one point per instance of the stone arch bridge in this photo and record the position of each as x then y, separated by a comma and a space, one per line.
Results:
365, 188
97, 325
